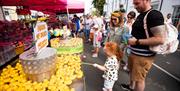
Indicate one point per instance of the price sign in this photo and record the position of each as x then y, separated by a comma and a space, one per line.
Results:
40, 36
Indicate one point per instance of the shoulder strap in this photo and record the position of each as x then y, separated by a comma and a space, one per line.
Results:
145, 24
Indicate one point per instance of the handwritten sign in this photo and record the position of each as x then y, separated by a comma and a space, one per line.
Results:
40, 36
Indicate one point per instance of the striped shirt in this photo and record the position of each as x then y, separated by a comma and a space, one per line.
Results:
154, 18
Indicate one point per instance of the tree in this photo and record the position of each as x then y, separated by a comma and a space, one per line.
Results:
99, 5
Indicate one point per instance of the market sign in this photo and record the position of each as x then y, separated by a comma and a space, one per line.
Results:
40, 36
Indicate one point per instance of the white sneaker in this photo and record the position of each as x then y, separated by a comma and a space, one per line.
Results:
84, 56
125, 67
104, 89
95, 55
89, 40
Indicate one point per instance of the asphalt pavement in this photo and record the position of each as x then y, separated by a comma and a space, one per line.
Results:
157, 80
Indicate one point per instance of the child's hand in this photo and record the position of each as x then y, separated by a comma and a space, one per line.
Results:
99, 67
95, 65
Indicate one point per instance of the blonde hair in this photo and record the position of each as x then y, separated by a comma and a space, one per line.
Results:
119, 15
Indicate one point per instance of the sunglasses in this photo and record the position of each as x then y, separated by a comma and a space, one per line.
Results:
114, 19
130, 17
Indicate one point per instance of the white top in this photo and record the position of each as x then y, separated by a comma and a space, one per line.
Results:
112, 66
129, 25
88, 23
98, 21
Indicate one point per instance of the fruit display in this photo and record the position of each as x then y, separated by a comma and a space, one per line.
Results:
62, 32
15, 37
19, 47
55, 42
68, 69
67, 46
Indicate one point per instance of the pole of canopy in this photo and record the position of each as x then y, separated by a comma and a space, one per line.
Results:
3, 14
67, 13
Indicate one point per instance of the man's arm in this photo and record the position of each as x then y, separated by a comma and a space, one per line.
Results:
155, 22
158, 37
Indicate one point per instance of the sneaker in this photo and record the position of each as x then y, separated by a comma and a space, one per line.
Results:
125, 68
126, 87
95, 55
89, 40
104, 89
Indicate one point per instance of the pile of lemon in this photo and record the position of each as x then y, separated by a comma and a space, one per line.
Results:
68, 69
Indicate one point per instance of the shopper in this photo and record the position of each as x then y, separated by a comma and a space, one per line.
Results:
111, 65
178, 27
87, 25
169, 18
123, 11
130, 20
117, 28
141, 57
96, 41
76, 20
131, 16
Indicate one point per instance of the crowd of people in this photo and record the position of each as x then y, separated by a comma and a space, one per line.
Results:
126, 44
124, 41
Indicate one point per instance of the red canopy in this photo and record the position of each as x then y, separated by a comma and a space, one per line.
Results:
73, 6
23, 11
31, 2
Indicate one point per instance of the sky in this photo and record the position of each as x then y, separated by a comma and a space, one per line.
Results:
88, 5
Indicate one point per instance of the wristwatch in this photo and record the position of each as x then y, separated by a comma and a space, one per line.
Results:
137, 42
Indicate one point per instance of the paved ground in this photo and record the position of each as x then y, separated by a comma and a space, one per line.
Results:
156, 80
171, 63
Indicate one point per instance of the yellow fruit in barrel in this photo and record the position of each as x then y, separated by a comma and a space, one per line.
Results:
80, 74
72, 89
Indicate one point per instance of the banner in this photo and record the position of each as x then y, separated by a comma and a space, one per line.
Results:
40, 36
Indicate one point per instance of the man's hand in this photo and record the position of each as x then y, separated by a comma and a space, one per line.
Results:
132, 41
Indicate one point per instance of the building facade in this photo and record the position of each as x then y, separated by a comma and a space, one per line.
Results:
165, 6
113, 5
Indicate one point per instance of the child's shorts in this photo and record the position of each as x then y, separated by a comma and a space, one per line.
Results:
108, 84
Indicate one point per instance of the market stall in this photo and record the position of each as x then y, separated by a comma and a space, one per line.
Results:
42, 69
15, 37
32, 2
71, 6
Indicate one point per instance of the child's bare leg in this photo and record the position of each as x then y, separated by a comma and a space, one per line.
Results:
109, 89
97, 50
105, 89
